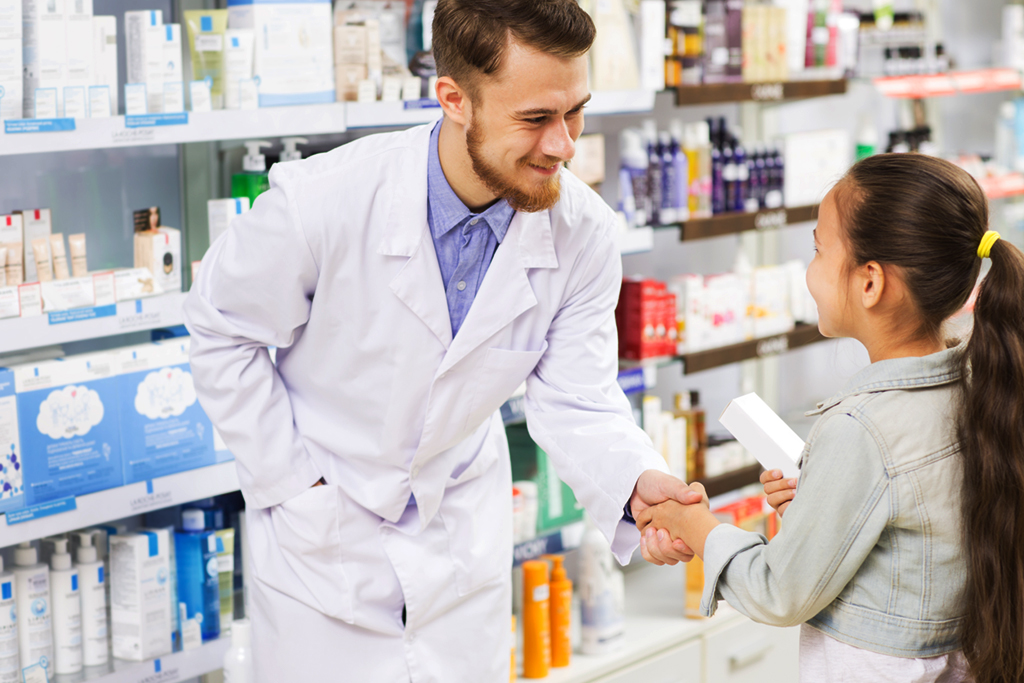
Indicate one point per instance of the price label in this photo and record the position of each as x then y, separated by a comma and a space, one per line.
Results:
772, 346
766, 220
766, 92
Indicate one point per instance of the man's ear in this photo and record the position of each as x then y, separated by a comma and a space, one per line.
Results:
454, 101
872, 284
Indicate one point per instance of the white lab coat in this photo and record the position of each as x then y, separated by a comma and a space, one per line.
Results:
335, 266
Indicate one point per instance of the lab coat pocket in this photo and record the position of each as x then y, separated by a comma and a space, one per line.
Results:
308, 536
499, 375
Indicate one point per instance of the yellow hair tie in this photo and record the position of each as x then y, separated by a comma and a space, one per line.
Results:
985, 248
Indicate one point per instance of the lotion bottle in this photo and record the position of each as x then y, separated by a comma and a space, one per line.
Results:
67, 610
536, 620
93, 585
238, 666
10, 672
32, 601
253, 180
561, 612
291, 150
198, 574
602, 595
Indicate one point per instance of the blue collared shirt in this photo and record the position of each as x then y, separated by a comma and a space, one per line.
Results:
465, 242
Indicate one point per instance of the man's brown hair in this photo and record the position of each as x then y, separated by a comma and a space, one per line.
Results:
471, 37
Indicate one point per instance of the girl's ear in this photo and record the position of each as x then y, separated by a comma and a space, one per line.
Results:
872, 284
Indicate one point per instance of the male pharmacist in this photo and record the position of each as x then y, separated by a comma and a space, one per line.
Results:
410, 282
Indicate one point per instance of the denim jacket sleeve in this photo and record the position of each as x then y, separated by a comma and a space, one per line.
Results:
840, 510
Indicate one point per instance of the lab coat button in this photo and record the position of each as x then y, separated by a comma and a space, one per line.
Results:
462, 285
416, 471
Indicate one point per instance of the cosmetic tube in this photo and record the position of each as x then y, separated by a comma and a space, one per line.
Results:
76, 243
60, 257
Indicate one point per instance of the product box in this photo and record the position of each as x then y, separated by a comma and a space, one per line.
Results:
11, 76
140, 603
557, 505
163, 428
173, 72
60, 295
160, 251
220, 213
35, 223
130, 284
756, 426
350, 45
12, 492
651, 24
70, 427
10, 304
80, 43
105, 57
30, 300
347, 80
144, 41
727, 297
770, 301
294, 57
44, 52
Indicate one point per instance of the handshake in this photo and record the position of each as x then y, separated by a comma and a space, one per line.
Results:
675, 527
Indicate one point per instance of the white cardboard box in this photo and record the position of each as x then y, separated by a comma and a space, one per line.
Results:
144, 40
11, 76
105, 57
79, 43
140, 594
764, 434
44, 51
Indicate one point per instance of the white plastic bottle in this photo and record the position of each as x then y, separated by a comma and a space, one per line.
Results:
32, 601
93, 586
67, 610
10, 672
238, 659
602, 595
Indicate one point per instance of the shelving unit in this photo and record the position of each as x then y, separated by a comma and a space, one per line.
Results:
177, 666
723, 93
1002, 187
555, 541
735, 223
125, 501
953, 83
730, 481
78, 324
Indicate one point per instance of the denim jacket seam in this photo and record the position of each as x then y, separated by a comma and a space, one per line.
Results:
926, 526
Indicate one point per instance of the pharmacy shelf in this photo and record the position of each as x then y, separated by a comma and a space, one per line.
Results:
61, 327
734, 223
730, 481
234, 124
954, 83
179, 666
125, 501
636, 240
722, 93
560, 540
1004, 186
611, 102
801, 335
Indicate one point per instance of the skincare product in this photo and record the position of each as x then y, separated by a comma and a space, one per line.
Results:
198, 574
78, 37
633, 178
76, 244
226, 578
220, 213
206, 30
238, 60
561, 613
105, 59
32, 601
602, 595
253, 180
43, 261
11, 76
144, 41
536, 620
44, 57
160, 251
291, 148
93, 586
36, 224
59, 256
132, 283
140, 606
3, 265
67, 610
764, 434
238, 660
60, 295
10, 672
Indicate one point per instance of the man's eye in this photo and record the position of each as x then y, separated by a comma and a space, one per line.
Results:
537, 120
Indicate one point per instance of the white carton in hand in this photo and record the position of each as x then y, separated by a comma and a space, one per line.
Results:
764, 434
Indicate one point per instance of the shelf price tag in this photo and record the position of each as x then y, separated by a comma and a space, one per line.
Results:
51, 507
767, 220
766, 92
38, 125
154, 120
773, 346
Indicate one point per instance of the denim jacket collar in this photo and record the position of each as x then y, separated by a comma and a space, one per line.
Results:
899, 373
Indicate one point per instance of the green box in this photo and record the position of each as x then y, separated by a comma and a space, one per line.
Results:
557, 506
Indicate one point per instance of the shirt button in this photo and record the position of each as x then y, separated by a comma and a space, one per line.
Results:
474, 221
461, 286
416, 471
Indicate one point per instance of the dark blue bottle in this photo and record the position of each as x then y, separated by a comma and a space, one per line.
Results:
742, 178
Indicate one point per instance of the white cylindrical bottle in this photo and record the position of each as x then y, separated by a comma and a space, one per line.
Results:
10, 672
602, 595
92, 584
32, 601
238, 659
67, 610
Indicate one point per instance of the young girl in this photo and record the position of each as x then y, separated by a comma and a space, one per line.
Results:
902, 553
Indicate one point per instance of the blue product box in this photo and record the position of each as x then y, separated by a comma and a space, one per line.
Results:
12, 492
163, 428
70, 427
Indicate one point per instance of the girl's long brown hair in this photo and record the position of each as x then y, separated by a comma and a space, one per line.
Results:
927, 217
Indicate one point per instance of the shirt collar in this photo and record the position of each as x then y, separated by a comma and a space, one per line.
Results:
446, 209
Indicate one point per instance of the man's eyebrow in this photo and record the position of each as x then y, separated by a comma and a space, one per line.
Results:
529, 113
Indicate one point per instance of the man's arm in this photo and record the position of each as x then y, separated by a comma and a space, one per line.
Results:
577, 413
254, 291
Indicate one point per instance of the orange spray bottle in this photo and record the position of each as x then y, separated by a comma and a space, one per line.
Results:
561, 612
536, 620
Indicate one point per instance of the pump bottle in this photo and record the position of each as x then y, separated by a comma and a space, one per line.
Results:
238, 666
253, 180
198, 574
536, 620
291, 151
10, 672
602, 595
32, 602
561, 612
67, 609
92, 583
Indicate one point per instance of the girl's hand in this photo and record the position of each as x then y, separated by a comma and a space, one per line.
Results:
780, 491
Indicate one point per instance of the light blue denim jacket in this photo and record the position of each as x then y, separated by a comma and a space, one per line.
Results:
870, 550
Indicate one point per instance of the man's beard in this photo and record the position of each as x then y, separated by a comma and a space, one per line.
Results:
520, 199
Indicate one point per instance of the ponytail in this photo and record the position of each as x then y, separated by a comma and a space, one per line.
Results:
991, 434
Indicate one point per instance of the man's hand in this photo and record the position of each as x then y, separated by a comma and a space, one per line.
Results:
780, 492
655, 487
